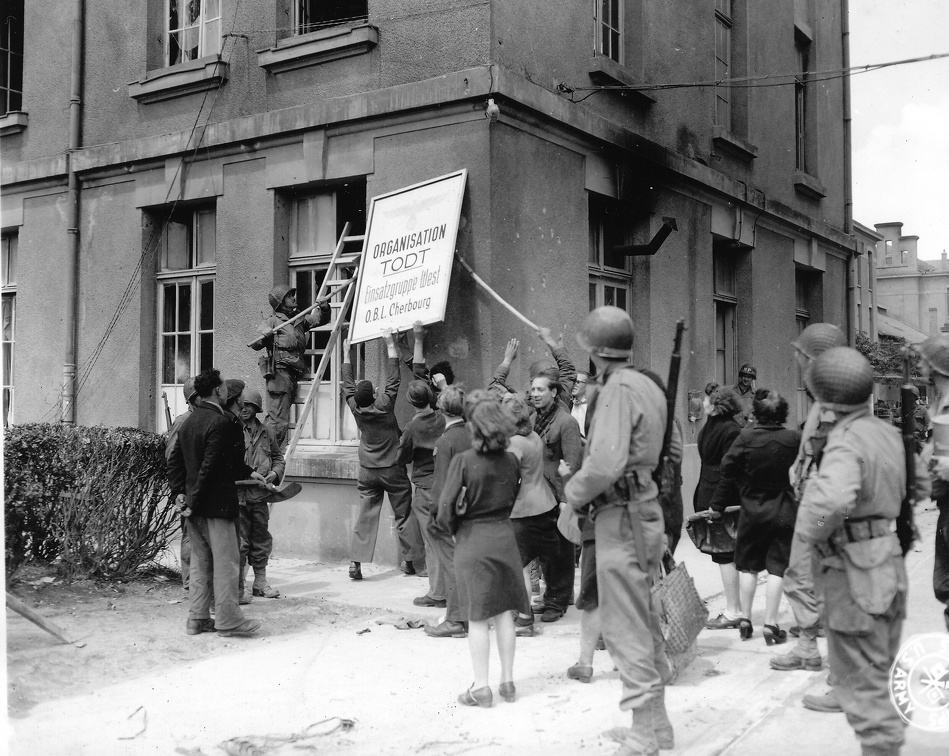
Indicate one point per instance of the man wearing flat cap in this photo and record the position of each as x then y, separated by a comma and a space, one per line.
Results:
283, 364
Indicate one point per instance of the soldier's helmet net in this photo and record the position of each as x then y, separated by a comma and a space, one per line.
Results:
250, 396
935, 350
817, 338
842, 379
277, 293
607, 332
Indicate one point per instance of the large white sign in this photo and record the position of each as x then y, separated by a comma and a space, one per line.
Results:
407, 257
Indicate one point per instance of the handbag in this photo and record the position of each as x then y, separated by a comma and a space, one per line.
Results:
714, 536
568, 523
682, 613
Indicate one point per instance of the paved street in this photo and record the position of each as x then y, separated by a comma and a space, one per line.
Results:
400, 687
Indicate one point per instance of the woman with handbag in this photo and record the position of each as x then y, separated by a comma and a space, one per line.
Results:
535, 510
722, 406
756, 467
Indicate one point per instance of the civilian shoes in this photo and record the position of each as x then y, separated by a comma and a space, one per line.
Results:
792, 661
246, 629
198, 626
447, 629
721, 622
427, 600
355, 571
481, 697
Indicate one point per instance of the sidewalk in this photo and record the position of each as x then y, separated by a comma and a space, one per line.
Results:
400, 686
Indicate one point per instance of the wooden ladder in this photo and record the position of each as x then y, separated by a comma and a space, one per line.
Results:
337, 321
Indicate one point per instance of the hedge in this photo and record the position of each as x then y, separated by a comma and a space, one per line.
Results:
93, 501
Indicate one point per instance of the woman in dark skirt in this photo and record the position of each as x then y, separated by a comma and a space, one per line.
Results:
722, 405
756, 468
487, 562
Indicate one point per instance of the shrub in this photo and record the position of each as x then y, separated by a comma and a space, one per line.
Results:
94, 500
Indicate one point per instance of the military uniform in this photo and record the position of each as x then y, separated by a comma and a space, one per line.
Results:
283, 365
628, 526
848, 512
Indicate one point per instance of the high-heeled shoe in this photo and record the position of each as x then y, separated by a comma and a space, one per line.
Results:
481, 697
774, 635
508, 691
745, 629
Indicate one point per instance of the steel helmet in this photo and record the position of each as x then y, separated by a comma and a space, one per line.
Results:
842, 379
249, 396
935, 350
607, 332
189, 391
747, 369
277, 294
818, 338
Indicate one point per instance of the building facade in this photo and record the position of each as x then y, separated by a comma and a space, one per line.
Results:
914, 291
167, 164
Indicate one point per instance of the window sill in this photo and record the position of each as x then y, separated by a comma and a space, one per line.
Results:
733, 144
198, 75
334, 465
13, 122
606, 72
808, 186
318, 47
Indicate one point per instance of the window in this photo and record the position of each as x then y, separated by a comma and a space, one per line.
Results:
610, 276
725, 298
608, 26
801, 116
9, 251
807, 308
316, 220
11, 58
904, 256
185, 302
312, 15
888, 257
723, 62
194, 30
933, 321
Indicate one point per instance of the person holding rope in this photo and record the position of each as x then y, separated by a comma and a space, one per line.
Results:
283, 364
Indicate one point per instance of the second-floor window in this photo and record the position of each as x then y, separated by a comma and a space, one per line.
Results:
801, 115
193, 30
723, 62
11, 57
312, 15
608, 18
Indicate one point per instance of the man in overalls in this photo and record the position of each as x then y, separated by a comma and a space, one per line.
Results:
848, 512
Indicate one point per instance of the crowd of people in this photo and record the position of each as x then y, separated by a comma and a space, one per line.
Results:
564, 474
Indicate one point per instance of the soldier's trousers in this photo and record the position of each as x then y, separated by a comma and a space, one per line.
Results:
372, 484
281, 394
630, 620
800, 593
861, 650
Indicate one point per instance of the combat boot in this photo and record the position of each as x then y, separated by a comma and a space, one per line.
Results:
640, 739
664, 734
260, 584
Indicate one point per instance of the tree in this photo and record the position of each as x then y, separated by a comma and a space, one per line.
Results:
885, 355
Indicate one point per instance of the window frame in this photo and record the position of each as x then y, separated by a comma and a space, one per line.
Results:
11, 48
724, 23
202, 31
10, 246
725, 306
607, 283
299, 27
310, 257
803, 51
198, 273
617, 8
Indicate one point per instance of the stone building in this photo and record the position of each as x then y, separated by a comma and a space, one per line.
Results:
166, 162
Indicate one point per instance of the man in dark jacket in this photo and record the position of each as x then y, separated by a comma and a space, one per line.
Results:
379, 470
561, 436
207, 460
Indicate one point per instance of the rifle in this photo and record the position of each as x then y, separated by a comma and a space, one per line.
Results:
258, 343
905, 525
672, 388
168, 420
670, 498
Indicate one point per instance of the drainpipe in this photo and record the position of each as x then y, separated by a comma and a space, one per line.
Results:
848, 165
68, 412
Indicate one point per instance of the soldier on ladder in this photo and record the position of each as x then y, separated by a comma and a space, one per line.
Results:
283, 364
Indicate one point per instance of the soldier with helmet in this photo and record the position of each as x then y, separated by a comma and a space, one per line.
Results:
813, 341
615, 482
745, 388
848, 512
263, 456
934, 366
283, 364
